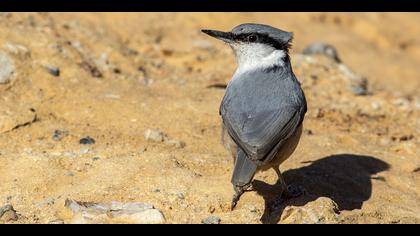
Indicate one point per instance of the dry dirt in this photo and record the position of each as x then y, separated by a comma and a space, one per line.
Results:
123, 73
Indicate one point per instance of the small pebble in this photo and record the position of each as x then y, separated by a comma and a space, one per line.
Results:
212, 220
84, 151
7, 213
376, 106
69, 174
252, 209
7, 69
359, 90
308, 132
87, 141
212, 209
59, 134
56, 222
180, 196
54, 71
176, 143
154, 135
323, 49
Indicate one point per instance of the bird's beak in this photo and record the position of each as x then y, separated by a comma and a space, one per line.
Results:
225, 36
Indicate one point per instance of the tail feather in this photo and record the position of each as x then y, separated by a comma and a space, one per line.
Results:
244, 169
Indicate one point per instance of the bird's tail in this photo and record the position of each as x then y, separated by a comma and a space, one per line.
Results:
244, 170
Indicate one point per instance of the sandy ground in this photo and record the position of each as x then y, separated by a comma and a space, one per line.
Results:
121, 74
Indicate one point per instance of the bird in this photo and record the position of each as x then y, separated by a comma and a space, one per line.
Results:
264, 106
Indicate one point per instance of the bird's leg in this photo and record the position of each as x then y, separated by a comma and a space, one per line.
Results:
288, 191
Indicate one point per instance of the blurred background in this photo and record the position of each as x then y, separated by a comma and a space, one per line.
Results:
102, 107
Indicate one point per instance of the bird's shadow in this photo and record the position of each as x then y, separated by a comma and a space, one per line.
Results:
345, 178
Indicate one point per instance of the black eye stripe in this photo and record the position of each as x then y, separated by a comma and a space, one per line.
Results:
262, 38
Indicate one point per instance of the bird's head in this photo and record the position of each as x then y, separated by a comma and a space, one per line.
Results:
256, 44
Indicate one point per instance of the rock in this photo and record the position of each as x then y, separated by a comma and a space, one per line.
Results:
54, 71
323, 49
358, 84
87, 141
14, 116
17, 49
211, 220
56, 222
252, 209
7, 69
84, 151
7, 213
115, 212
155, 135
322, 210
59, 134
359, 90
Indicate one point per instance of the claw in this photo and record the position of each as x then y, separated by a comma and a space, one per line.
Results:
234, 202
239, 190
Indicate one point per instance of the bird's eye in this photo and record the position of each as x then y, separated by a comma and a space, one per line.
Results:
252, 38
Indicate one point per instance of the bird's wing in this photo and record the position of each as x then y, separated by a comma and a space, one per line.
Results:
262, 112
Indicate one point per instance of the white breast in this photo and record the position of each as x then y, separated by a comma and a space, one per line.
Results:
256, 56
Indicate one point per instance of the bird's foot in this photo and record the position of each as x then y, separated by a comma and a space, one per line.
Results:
293, 191
239, 190
290, 192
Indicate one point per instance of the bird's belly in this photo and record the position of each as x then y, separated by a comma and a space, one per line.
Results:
285, 151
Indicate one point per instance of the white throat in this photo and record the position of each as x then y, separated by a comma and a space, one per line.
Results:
257, 56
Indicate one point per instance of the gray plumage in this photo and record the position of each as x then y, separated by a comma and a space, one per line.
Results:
261, 110
264, 106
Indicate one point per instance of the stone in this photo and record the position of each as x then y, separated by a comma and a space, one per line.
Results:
321, 211
212, 220
323, 49
56, 222
17, 49
114, 212
155, 135
54, 71
180, 196
176, 143
7, 69
87, 141
84, 151
59, 134
7, 213
14, 116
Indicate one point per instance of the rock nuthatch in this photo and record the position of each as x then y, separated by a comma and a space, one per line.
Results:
263, 107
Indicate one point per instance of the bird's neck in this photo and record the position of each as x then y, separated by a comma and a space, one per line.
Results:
259, 60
